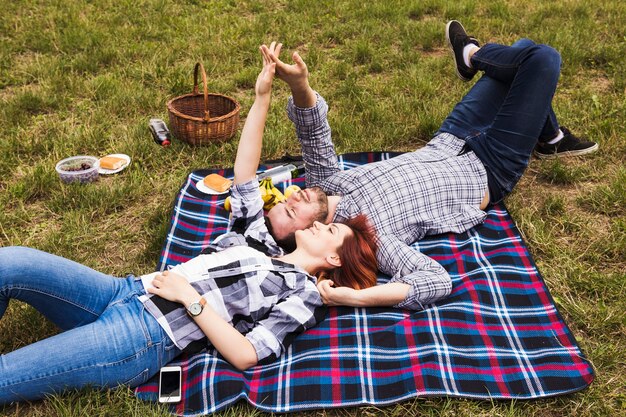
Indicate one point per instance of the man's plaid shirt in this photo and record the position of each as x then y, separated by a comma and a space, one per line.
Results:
267, 300
429, 191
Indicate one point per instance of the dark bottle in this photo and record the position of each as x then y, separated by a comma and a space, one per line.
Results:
160, 132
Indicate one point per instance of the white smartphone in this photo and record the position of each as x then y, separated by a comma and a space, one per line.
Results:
170, 382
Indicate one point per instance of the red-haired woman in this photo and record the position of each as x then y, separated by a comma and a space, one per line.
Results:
235, 298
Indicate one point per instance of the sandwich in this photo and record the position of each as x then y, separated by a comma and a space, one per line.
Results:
112, 162
217, 183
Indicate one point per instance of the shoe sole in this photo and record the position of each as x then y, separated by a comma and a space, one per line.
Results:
456, 64
589, 150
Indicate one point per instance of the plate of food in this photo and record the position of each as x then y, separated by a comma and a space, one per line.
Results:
114, 163
214, 184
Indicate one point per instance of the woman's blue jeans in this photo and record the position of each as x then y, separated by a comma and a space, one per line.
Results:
508, 109
108, 338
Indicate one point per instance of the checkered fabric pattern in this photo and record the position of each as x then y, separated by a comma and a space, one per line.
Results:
498, 336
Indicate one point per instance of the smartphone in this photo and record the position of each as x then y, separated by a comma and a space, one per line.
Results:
170, 381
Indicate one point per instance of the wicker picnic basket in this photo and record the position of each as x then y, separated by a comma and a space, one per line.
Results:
203, 118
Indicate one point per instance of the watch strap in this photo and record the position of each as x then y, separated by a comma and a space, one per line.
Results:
201, 302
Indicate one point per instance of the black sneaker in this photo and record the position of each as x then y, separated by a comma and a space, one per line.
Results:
457, 40
570, 145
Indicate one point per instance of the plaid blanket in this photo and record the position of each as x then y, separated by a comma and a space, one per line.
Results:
498, 336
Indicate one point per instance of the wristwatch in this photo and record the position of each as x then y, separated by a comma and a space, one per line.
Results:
195, 309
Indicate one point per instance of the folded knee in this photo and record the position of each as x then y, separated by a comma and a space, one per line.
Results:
545, 61
547, 57
548, 53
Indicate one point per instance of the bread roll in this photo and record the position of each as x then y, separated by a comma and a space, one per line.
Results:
217, 182
112, 162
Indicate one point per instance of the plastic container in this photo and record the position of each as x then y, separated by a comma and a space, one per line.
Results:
81, 168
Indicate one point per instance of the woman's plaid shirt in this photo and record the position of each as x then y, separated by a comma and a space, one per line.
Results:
267, 300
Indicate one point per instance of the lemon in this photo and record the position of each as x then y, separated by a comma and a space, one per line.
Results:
290, 190
227, 203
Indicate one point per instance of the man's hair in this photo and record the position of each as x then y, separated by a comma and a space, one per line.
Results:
358, 256
288, 243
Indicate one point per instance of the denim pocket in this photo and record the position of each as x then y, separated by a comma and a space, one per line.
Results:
140, 378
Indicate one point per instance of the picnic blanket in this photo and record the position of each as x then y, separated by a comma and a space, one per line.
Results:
498, 336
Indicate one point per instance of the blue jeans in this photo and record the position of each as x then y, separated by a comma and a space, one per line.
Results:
108, 338
508, 110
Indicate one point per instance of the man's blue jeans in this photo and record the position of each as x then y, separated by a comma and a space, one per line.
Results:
108, 338
508, 109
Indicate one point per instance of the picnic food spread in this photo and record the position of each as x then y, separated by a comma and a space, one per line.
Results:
82, 169
217, 182
270, 194
111, 162
290, 190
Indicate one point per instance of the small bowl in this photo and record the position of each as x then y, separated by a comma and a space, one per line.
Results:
82, 169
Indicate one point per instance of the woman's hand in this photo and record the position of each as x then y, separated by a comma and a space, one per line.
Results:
384, 295
336, 296
263, 85
174, 287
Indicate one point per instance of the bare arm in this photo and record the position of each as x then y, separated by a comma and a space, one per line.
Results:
386, 295
417, 280
251, 142
235, 348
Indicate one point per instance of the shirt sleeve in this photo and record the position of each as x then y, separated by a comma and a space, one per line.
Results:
288, 318
247, 223
429, 281
313, 131
246, 208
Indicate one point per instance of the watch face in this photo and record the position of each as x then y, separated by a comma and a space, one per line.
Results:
195, 309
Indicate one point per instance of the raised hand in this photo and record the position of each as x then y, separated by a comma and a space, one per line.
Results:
251, 141
266, 76
296, 74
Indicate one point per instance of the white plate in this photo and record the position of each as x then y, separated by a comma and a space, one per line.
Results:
206, 190
115, 171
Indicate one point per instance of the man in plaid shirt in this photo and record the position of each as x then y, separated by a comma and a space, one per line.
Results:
476, 157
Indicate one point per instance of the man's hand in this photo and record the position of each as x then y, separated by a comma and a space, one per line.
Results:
296, 75
336, 296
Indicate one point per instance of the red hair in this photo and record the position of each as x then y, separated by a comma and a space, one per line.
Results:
358, 256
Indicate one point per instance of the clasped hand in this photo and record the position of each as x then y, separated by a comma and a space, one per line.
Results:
335, 296
296, 75
173, 287
263, 85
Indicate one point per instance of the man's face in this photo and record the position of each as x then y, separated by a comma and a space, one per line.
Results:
298, 212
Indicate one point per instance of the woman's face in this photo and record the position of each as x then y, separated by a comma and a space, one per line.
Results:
323, 239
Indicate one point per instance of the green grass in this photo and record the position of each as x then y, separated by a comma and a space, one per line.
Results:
84, 77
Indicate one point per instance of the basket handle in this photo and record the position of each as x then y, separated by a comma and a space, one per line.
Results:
207, 116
